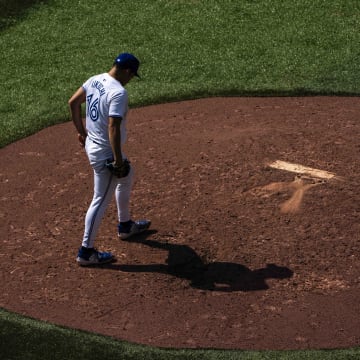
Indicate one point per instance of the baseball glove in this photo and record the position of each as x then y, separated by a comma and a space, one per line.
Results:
119, 171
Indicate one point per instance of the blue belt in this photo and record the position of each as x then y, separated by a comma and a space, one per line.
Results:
94, 142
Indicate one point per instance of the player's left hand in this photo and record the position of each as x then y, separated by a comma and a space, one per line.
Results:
119, 170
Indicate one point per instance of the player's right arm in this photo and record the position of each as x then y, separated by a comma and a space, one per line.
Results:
75, 102
115, 139
117, 111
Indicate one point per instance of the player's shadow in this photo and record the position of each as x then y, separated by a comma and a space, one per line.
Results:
183, 262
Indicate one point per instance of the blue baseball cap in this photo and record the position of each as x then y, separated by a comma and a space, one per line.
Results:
128, 61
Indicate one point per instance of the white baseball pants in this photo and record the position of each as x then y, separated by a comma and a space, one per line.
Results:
105, 186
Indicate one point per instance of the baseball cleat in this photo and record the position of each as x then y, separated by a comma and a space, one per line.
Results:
88, 257
130, 228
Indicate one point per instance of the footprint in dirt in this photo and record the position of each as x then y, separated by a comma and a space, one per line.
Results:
296, 188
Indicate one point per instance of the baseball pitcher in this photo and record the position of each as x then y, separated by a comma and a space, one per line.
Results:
103, 138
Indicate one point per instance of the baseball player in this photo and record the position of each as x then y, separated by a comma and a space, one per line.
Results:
106, 109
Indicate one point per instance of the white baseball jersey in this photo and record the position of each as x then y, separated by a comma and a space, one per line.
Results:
105, 96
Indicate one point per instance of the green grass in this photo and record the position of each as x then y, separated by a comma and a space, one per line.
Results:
23, 338
188, 49
11, 11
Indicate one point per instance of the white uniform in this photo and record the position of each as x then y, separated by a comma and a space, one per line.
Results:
105, 97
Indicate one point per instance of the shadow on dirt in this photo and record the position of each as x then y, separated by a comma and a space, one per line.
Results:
183, 262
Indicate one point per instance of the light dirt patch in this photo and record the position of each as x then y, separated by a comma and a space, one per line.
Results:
296, 189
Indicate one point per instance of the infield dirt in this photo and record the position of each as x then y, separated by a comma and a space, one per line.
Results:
240, 255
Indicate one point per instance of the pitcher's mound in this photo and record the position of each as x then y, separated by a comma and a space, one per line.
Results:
241, 255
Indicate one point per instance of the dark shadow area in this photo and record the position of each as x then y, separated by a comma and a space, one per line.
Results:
184, 263
12, 11
242, 92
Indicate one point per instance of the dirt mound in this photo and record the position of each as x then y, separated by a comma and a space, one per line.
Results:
240, 255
